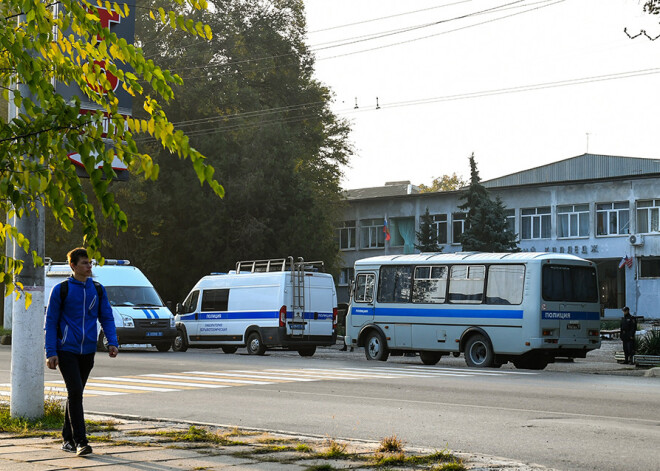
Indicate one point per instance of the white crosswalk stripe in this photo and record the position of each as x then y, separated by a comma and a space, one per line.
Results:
189, 380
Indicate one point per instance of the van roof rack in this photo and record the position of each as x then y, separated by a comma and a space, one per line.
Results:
278, 264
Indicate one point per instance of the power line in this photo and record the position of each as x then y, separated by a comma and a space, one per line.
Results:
421, 101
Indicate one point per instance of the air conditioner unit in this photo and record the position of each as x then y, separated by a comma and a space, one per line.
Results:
636, 239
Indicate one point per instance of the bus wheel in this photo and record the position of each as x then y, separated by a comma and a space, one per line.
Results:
375, 347
478, 352
307, 351
231, 349
534, 362
430, 358
254, 344
180, 343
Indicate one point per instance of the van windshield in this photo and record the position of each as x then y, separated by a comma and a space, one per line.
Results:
133, 296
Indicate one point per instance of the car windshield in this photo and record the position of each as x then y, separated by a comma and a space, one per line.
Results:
133, 296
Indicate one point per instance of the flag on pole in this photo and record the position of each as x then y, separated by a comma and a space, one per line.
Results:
386, 230
627, 261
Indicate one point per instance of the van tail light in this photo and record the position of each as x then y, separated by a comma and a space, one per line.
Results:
283, 316
334, 318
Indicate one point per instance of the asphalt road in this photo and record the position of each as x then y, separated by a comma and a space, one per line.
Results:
590, 415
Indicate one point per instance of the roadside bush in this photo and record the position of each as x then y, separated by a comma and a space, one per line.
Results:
649, 343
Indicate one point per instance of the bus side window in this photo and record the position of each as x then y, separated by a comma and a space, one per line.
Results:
505, 284
430, 285
466, 284
364, 288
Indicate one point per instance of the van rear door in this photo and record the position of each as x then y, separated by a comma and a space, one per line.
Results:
321, 301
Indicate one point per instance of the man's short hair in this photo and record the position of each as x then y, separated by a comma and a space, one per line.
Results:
626, 309
76, 254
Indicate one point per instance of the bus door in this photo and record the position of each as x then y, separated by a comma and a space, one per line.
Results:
362, 307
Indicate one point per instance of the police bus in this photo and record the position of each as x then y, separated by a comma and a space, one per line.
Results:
528, 308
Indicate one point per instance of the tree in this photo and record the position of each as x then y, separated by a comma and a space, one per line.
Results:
250, 104
485, 224
427, 236
444, 183
41, 44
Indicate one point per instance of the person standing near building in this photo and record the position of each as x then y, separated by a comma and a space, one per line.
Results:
628, 329
74, 307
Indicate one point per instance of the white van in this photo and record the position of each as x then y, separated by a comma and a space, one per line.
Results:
262, 304
139, 313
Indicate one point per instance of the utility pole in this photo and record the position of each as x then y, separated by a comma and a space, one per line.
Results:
27, 343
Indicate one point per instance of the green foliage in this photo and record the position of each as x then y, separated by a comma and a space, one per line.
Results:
444, 183
40, 45
485, 225
53, 419
427, 236
649, 343
251, 105
610, 324
391, 444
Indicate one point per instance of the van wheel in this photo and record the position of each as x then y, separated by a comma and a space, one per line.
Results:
430, 358
229, 349
478, 352
375, 347
180, 343
254, 344
162, 346
102, 343
307, 351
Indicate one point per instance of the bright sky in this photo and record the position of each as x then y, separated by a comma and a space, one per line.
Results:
539, 42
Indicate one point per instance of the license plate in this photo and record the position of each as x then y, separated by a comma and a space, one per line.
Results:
154, 334
297, 326
573, 326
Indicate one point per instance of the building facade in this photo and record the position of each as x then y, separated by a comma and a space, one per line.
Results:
602, 208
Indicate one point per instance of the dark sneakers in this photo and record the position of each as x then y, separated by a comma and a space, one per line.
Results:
83, 450
69, 447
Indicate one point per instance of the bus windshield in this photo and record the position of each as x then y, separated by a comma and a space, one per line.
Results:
569, 283
133, 296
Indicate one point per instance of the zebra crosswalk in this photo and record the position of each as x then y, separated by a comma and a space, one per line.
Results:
190, 380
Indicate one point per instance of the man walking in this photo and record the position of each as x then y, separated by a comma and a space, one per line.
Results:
628, 329
74, 307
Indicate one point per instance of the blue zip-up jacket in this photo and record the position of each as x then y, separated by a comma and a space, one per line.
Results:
76, 320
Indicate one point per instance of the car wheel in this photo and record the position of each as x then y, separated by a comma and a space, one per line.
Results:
180, 343
375, 347
479, 352
102, 343
231, 349
254, 344
307, 351
430, 358
163, 346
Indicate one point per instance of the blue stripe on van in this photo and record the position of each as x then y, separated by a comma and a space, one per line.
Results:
571, 315
452, 313
150, 313
251, 315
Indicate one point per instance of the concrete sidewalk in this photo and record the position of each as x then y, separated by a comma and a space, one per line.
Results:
142, 444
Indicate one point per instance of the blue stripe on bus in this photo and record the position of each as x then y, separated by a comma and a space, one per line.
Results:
463, 313
570, 315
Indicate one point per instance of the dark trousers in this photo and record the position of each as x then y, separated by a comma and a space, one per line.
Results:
629, 349
75, 370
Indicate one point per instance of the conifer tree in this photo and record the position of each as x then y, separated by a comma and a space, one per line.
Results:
427, 236
485, 224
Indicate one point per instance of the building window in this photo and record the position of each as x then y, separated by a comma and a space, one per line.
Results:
510, 220
573, 220
346, 275
647, 216
439, 227
612, 218
535, 223
371, 233
649, 267
457, 226
346, 235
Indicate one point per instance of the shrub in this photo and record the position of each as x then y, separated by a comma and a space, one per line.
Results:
391, 444
649, 343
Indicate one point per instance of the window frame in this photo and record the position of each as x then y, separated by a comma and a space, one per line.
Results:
573, 220
543, 219
457, 219
223, 304
608, 213
370, 228
653, 207
349, 230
